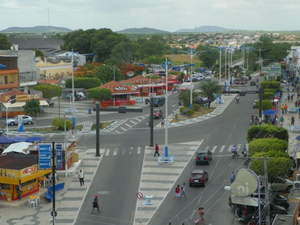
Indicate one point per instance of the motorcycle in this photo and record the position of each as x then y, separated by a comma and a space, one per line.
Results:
237, 100
234, 154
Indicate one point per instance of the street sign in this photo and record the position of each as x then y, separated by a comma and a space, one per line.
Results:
55, 213
139, 195
44, 156
58, 156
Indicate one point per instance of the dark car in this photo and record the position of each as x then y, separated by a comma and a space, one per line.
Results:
252, 83
157, 113
201, 100
198, 178
203, 157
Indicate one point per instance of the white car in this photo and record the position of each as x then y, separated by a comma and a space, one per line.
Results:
26, 120
207, 78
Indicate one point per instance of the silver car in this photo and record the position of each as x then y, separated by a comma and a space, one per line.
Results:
26, 120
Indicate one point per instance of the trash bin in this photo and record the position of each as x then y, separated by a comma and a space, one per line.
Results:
89, 111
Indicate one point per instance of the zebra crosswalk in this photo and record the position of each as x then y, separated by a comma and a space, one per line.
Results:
122, 126
225, 148
111, 152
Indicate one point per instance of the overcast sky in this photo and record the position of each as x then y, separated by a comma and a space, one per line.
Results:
168, 15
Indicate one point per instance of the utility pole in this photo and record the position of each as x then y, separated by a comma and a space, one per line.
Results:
260, 104
268, 221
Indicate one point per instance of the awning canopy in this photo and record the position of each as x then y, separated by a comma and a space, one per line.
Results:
18, 147
21, 104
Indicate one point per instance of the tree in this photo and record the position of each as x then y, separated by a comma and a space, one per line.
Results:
208, 58
85, 83
184, 97
267, 131
4, 42
266, 104
150, 48
125, 52
100, 94
210, 89
49, 91
32, 107
267, 144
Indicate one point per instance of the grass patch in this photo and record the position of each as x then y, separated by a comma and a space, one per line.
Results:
201, 112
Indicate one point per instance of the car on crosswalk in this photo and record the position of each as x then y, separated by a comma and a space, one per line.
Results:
198, 178
203, 157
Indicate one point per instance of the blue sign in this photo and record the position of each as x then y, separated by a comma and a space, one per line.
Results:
58, 156
44, 156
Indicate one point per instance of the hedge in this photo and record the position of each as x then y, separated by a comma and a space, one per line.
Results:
85, 83
267, 131
266, 145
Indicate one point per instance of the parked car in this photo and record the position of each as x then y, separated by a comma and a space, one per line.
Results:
26, 120
198, 178
252, 83
203, 157
280, 184
207, 78
200, 100
157, 113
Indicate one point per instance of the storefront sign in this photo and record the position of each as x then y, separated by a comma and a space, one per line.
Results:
9, 173
29, 170
58, 156
44, 156
121, 88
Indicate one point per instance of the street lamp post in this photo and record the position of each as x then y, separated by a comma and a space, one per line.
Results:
166, 112
191, 53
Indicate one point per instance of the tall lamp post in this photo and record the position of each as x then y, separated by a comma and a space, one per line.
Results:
73, 55
191, 53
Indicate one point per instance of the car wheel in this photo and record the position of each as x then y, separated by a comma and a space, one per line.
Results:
190, 185
197, 163
289, 188
12, 123
207, 162
29, 122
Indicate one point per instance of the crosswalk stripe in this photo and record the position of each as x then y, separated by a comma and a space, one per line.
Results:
206, 148
229, 149
239, 147
123, 128
131, 150
222, 148
102, 150
139, 150
115, 151
214, 148
107, 152
123, 151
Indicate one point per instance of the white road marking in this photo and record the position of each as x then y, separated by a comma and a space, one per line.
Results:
107, 152
222, 148
115, 151
214, 149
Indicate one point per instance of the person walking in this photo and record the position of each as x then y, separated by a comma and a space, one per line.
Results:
95, 204
156, 150
281, 120
293, 121
81, 177
162, 123
282, 108
285, 108
232, 177
183, 190
19, 191
177, 192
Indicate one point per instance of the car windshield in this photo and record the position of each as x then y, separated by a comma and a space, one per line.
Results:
196, 174
156, 111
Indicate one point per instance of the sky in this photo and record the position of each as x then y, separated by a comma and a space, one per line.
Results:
167, 15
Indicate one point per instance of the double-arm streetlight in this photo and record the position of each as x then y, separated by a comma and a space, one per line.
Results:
192, 53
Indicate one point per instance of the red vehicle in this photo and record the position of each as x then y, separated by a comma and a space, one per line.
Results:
157, 113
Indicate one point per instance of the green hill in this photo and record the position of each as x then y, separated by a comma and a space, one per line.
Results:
144, 30
37, 29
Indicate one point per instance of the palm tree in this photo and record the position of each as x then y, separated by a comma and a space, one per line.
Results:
210, 89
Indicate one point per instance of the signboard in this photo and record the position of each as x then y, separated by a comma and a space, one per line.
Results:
44, 156
58, 156
244, 200
139, 195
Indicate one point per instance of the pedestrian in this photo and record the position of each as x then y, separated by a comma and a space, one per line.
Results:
282, 108
19, 191
156, 150
285, 108
173, 113
292, 97
251, 120
281, 120
81, 177
296, 104
256, 120
162, 123
288, 97
293, 121
183, 190
177, 192
201, 214
95, 204
232, 177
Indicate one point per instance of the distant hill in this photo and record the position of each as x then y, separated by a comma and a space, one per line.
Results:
37, 29
144, 30
205, 29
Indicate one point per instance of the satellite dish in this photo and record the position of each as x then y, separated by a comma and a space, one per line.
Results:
130, 73
73, 135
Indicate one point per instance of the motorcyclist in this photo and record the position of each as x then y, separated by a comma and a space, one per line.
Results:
237, 99
244, 151
234, 150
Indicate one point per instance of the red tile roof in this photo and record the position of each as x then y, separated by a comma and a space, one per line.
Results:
16, 161
10, 93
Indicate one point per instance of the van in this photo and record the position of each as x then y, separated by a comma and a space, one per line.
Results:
157, 101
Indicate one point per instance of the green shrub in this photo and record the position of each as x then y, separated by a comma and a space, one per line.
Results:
270, 90
196, 107
270, 85
58, 124
266, 145
266, 104
267, 131
190, 112
268, 95
279, 163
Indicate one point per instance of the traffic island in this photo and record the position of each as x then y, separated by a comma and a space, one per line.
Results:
166, 159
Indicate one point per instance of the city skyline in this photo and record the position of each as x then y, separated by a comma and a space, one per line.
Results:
167, 15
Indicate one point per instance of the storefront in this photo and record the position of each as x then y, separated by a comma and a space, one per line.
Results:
121, 94
19, 169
